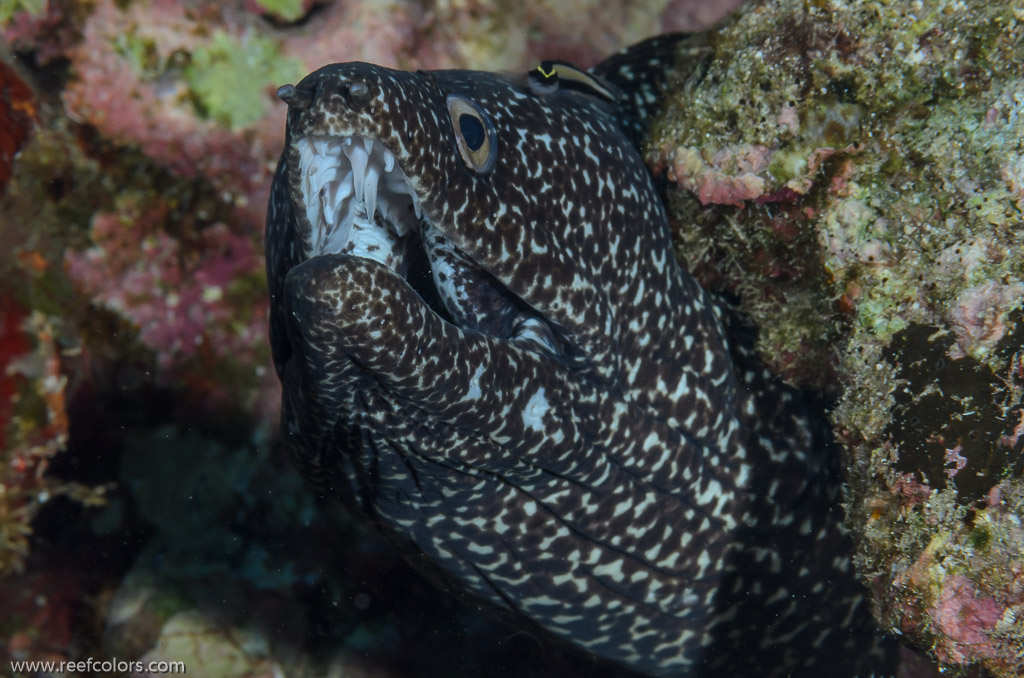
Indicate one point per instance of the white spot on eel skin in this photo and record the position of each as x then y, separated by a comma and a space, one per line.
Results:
535, 410
474, 384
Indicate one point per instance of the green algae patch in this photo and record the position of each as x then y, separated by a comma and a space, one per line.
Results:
980, 538
8, 8
288, 10
228, 77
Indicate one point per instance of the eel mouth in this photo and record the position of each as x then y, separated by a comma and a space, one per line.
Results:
357, 200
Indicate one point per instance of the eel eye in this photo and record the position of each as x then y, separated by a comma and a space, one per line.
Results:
474, 134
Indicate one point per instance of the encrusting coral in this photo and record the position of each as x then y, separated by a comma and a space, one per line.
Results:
852, 170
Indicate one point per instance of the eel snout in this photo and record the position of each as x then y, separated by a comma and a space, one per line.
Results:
295, 97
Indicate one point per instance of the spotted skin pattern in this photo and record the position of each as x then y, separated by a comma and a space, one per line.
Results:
643, 490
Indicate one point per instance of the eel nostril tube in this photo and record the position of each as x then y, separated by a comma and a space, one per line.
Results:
295, 97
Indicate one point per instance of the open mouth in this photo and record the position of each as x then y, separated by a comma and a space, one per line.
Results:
358, 201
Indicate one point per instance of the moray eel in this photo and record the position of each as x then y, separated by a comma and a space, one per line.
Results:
489, 351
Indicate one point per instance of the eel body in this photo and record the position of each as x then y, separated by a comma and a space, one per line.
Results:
488, 350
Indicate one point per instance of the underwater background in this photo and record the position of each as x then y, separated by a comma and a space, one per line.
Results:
852, 171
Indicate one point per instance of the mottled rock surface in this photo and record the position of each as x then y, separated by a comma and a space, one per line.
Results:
853, 171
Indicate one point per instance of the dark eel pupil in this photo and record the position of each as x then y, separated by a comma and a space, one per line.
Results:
472, 131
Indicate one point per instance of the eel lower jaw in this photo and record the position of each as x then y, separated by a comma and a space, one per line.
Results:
354, 198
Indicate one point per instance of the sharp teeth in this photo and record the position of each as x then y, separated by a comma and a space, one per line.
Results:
346, 227
359, 158
325, 174
389, 161
326, 207
344, 190
416, 207
336, 241
307, 171
347, 141
309, 187
368, 145
370, 190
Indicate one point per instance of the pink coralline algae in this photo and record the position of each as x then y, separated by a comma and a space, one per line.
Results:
1013, 438
735, 175
978, 317
185, 299
910, 490
730, 177
966, 621
955, 461
968, 618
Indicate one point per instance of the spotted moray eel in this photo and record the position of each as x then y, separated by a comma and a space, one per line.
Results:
488, 350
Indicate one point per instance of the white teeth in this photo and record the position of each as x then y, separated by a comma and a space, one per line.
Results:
326, 209
344, 191
370, 190
337, 240
326, 174
344, 183
359, 159
396, 183
306, 172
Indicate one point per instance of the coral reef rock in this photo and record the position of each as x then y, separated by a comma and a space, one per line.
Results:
854, 171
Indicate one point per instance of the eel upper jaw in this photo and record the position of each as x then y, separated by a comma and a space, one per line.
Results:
353, 197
